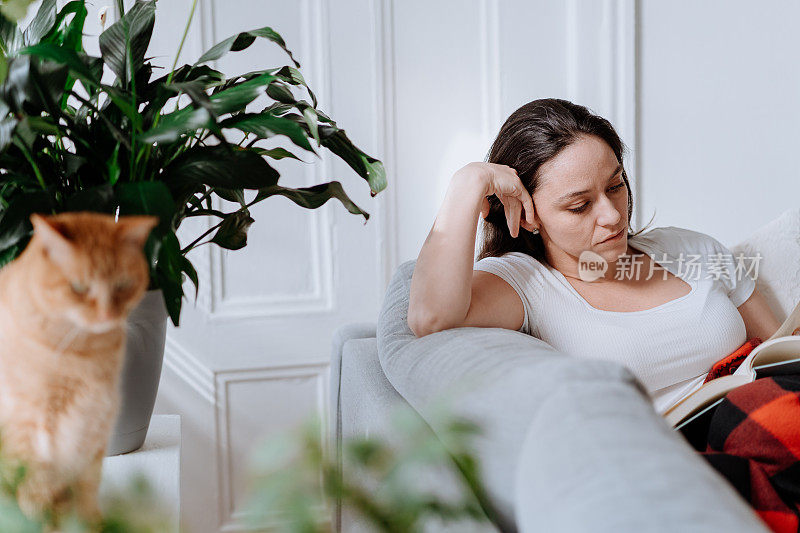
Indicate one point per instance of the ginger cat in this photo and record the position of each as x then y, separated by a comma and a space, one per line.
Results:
63, 306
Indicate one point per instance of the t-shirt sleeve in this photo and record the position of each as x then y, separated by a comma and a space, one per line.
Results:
720, 264
519, 271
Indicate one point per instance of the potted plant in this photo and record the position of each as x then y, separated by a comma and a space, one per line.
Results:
70, 142
298, 485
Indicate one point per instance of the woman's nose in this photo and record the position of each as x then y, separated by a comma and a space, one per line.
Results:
609, 214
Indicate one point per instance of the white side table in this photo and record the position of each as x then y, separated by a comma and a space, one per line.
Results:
158, 460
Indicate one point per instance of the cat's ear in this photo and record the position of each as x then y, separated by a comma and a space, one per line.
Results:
51, 234
136, 229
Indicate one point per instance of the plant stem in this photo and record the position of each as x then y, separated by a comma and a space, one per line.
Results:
183, 39
192, 245
174, 63
200, 238
172, 72
206, 194
36, 170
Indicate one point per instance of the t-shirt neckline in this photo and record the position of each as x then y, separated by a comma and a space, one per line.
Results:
640, 247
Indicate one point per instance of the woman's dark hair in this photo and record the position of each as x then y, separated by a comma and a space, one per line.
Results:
534, 134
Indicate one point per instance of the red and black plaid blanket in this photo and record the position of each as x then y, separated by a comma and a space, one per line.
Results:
754, 442
727, 365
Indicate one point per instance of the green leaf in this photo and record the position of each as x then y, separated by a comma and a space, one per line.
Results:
168, 270
217, 167
10, 35
189, 119
125, 42
112, 128
367, 167
40, 25
336, 140
8, 255
232, 232
266, 126
231, 195
120, 100
191, 273
7, 126
42, 125
3, 66
71, 36
276, 153
313, 197
293, 76
112, 166
196, 92
84, 67
47, 86
311, 119
190, 73
171, 129
38, 86
243, 40
15, 224
147, 198
157, 93
99, 199
195, 89
280, 93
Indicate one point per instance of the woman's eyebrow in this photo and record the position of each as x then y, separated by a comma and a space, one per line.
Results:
571, 195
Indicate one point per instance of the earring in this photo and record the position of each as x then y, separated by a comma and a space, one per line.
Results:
535, 231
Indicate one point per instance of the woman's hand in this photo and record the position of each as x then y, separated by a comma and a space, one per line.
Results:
503, 182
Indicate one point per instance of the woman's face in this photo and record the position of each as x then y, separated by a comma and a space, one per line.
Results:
582, 200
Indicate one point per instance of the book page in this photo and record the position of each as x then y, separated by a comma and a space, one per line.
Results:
791, 323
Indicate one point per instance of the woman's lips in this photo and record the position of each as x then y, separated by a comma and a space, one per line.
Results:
616, 237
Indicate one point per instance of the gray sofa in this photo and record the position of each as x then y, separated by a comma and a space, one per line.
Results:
569, 445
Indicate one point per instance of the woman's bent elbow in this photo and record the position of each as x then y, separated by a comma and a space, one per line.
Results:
421, 326
418, 327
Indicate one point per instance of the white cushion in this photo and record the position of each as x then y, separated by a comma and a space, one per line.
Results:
778, 275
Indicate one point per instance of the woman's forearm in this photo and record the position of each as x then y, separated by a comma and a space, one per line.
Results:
442, 281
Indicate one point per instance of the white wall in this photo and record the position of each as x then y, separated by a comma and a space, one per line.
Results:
703, 93
719, 83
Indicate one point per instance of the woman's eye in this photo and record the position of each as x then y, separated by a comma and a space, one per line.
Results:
79, 288
583, 207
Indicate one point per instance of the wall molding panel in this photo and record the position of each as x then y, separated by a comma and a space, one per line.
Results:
385, 104
225, 381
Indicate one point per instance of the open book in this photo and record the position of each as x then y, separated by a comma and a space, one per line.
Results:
780, 354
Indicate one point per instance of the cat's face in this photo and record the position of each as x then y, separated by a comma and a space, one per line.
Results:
88, 268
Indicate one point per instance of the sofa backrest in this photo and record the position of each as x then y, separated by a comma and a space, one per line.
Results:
494, 377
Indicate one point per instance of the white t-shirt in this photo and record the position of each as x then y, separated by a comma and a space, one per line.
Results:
671, 347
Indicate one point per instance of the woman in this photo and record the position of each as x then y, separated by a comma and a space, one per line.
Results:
667, 324
668, 327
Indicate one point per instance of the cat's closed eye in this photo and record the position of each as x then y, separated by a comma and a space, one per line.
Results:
79, 288
123, 285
